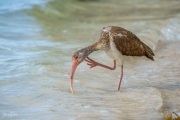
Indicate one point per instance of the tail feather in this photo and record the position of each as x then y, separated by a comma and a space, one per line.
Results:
148, 52
150, 56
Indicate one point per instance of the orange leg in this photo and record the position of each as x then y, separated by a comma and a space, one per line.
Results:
93, 63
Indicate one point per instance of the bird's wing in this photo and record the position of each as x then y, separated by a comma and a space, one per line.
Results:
128, 44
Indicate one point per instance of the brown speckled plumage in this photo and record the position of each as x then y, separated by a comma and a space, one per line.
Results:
130, 44
125, 41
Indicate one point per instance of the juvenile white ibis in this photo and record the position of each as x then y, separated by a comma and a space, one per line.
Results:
118, 43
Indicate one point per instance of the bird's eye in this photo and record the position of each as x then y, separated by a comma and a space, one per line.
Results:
76, 57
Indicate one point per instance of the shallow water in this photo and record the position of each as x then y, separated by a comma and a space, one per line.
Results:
37, 40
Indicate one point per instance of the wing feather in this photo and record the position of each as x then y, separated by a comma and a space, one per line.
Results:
128, 44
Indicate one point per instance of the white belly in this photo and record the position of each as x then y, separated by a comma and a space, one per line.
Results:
115, 54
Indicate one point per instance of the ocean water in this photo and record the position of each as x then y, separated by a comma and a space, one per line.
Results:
37, 39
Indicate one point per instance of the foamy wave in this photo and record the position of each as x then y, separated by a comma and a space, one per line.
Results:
17, 5
171, 30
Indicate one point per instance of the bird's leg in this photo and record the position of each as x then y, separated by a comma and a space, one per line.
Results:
121, 76
93, 63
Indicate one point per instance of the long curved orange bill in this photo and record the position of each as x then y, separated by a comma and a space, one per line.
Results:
73, 69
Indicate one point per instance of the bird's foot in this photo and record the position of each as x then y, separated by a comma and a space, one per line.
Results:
91, 62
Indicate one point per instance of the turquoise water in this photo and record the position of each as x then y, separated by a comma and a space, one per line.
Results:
37, 39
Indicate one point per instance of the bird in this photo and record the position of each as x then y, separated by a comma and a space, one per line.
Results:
117, 43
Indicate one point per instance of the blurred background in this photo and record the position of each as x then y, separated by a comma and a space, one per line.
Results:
38, 37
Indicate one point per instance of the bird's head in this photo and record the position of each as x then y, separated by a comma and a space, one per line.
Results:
77, 58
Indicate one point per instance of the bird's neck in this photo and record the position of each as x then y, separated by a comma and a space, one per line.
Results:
88, 50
